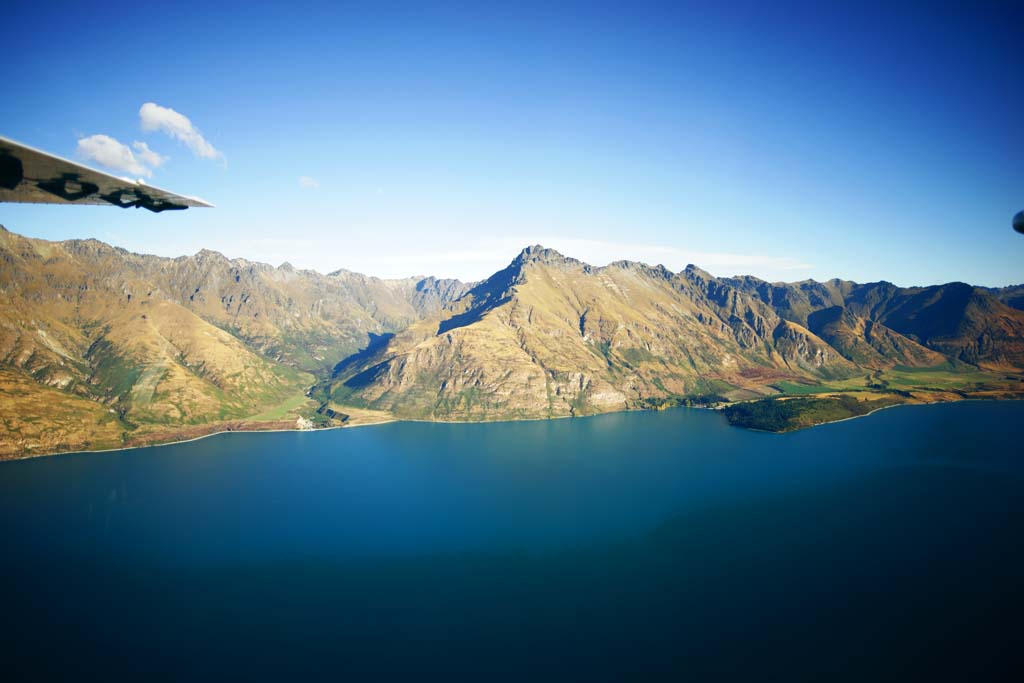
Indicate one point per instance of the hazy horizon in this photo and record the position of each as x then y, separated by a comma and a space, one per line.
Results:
598, 263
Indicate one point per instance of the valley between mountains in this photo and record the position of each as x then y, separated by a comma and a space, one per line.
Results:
103, 348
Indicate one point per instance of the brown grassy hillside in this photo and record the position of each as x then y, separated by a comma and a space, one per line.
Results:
98, 344
551, 336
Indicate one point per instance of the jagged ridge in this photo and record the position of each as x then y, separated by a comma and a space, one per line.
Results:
550, 336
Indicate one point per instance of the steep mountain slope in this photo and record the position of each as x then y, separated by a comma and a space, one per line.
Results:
163, 343
551, 336
966, 323
867, 342
299, 317
1012, 296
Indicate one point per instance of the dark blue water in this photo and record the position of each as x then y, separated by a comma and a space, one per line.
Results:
615, 547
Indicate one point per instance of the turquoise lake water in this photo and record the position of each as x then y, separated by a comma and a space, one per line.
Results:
625, 546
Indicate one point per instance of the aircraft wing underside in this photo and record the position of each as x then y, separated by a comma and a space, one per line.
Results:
30, 175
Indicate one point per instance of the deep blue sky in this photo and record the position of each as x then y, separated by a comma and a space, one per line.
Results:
787, 141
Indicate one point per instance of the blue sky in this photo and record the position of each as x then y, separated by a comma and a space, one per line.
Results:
788, 141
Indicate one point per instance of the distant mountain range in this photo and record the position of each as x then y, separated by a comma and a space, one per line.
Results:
100, 347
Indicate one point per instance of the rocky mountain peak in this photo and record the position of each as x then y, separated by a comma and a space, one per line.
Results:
206, 255
541, 254
659, 271
696, 273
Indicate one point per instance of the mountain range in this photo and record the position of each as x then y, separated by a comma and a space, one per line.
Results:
100, 347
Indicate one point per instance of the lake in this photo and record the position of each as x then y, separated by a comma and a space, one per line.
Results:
624, 546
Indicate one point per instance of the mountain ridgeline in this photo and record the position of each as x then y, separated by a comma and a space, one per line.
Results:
100, 347
551, 336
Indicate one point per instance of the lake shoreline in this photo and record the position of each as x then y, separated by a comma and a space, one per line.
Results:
199, 438
468, 422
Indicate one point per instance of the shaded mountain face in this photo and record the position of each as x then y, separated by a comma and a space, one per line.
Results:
99, 345
551, 336
957, 320
1012, 296
867, 342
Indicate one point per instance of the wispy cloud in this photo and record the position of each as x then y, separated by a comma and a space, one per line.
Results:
154, 117
147, 156
309, 183
115, 155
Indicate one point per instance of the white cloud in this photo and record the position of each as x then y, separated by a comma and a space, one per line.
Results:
178, 126
108, 152
307, 182
148, 156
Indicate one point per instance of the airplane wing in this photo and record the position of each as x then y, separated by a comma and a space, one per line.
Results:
29, 175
